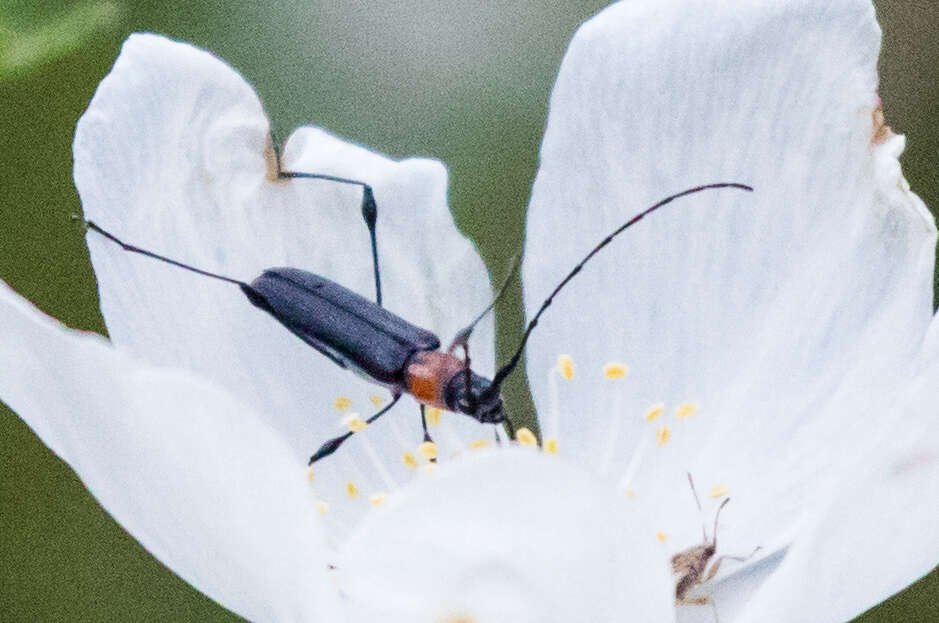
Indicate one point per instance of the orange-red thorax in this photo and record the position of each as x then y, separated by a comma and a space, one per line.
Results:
426, 376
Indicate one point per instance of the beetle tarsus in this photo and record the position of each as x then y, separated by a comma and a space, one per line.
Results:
328, 448
370, 216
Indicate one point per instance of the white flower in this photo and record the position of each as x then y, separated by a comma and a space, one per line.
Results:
786, 333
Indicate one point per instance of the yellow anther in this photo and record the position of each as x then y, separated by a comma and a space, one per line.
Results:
654, 411
351, 490
342, 403
719, 491
427, 450
526, 437
433, 416
630, 493
551, 445
354, 422
662, 435
429, 468
566, 366
661, 536
409, 460
615, 370
480, 443
322, 507
377, 499
310, 474
376, 400
686, 409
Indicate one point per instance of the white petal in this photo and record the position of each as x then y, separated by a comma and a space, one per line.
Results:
878, 534
173, 156
192, 474
780, 312
508, 535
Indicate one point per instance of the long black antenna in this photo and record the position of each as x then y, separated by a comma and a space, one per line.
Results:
505, 370
129, 247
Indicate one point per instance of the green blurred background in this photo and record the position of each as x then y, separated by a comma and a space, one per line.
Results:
464, 82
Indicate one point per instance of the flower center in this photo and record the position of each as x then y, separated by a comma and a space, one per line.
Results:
378, 460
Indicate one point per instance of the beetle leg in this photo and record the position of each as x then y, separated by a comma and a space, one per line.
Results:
333, 444
370, 216
427, 436
369, 207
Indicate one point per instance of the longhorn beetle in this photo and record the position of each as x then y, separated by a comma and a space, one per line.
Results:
358, 334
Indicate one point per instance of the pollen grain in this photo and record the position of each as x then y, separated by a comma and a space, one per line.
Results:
377, 499
551, 445
427, 450
354, 422
686, 410
654, 412
719, 491
566, 366
662, 435
614, 370
526, 437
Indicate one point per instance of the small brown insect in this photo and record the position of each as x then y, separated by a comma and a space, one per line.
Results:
691, 566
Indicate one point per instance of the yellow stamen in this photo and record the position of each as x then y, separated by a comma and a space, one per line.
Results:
480, 443
433, 416
566, 366
526, 437
661, 536
351, 490
427, 450
377, 499
655, 411
614, 370
551, 445
354, 422
630, 493
322, 507
409, 460
310, 474
686, 409
719, 491
376, 400
662, 435
342, 403
429, 468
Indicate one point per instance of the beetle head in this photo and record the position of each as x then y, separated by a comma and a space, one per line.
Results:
476, 400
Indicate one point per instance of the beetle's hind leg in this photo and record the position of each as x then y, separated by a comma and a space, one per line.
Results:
369, 207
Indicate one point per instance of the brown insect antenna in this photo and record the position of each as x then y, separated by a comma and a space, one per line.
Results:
694, 492
716, 517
